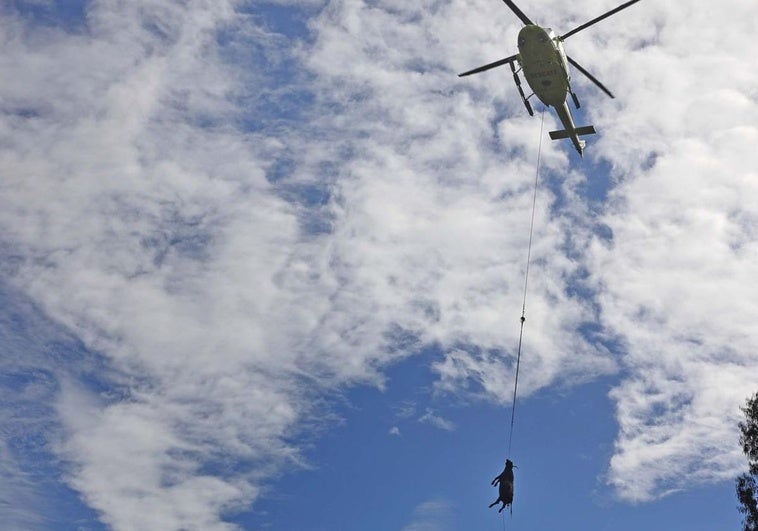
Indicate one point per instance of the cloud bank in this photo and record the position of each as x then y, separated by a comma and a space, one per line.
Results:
237, 222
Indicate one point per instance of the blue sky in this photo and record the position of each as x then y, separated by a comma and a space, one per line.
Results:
562, 443
262, 267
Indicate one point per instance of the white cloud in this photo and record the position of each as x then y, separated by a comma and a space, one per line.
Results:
139, 216
676, 283
672, 288
140, 227
432, 515
433, 419
405, 410
21, 505
394, 430
436, 220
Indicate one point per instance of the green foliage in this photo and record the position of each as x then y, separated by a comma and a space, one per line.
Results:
747, 489
749, 433
748, 503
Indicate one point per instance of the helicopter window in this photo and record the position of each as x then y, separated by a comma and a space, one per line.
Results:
521, 41
543, 38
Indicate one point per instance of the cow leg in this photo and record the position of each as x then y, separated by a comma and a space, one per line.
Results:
494, 503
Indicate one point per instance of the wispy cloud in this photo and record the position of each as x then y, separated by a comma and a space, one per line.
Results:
21, 504
405, 410
433, 419
433, 515
35, 353
160, 204
129, 197
674, 280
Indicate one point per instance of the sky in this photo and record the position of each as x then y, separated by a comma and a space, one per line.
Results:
262, 267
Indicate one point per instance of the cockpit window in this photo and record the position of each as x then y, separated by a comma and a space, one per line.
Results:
521, 41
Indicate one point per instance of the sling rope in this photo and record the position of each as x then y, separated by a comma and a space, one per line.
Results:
526, 283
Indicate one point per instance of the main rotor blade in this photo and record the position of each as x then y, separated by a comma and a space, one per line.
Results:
590, 76
596, 20
520, 14
491, 65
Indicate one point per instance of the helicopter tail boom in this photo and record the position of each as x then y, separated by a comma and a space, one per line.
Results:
579, 131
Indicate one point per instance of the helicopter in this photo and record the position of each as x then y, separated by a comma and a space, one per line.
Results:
545, 65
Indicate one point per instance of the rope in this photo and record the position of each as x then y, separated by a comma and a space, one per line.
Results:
526, 283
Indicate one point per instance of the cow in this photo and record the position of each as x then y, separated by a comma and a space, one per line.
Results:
505, 479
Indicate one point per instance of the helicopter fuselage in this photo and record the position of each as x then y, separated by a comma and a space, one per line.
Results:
545, 66
544, 63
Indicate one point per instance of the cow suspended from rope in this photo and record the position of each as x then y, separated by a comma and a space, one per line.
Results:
505, 479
